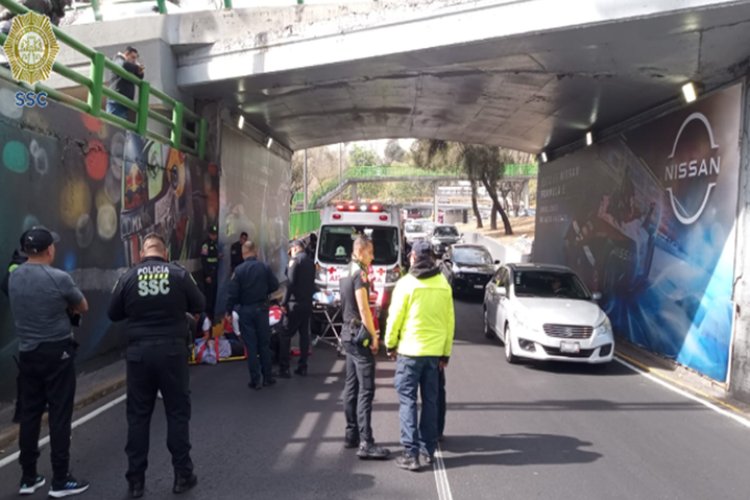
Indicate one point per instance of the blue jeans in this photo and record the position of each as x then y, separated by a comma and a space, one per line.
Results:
418, 374
256, 333
117, 109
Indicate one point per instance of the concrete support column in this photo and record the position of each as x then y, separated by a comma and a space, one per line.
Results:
211, 111
739, 368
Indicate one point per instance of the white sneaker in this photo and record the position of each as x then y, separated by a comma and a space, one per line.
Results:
29, 486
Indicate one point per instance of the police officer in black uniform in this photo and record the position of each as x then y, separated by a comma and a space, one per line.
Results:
154, 298
249, 288
210, 256
297, 305
360, 347
235, 254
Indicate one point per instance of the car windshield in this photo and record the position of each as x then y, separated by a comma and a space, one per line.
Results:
413, 228
471, 256
549, 284
446, 231
335, 243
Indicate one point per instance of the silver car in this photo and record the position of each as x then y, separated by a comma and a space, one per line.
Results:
546, 312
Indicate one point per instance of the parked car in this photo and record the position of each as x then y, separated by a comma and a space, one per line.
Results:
443, 236
468, 268
546, 312
414, 231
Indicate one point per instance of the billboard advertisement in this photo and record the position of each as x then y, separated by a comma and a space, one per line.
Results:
647, 218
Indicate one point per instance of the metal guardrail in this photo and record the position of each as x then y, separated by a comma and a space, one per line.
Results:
187, 131
373, 172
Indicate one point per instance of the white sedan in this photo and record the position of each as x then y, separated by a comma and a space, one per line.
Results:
546, 312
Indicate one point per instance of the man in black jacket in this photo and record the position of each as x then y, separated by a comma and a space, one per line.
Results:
128, 61
297, 305
251, 284
235, 252
154, 298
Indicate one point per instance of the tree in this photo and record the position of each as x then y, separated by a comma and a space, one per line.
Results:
394, 152
363, 157
482, 164
322, 164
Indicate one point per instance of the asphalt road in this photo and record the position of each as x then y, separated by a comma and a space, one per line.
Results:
518, 432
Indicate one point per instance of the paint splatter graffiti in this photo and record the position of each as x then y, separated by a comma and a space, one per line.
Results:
102, 189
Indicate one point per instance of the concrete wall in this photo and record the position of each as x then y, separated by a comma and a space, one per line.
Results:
102, 189
739, 376
255, 193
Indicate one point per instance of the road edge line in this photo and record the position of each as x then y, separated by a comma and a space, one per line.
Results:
14, 456
683, 390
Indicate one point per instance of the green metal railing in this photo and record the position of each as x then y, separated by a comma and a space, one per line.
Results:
302, 223
187, 131
373, 172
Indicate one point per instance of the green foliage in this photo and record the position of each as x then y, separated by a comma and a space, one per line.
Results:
360, 156
394, 153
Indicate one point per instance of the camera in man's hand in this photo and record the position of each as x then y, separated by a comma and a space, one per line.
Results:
75, 318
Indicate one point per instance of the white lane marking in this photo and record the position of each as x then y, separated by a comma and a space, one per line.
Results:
441, 476
737, 418
12, 458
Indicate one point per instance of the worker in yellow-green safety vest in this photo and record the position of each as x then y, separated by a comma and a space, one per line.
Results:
16, 260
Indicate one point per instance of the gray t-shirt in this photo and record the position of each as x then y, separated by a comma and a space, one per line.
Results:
39, 298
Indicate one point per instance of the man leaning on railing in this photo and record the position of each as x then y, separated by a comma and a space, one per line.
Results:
54, 9
128, 61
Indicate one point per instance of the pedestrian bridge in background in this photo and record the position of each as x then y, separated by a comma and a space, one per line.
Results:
531, 75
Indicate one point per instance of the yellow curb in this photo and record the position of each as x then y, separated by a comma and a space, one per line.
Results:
686, 387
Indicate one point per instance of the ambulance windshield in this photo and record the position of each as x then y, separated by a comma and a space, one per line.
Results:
335, 243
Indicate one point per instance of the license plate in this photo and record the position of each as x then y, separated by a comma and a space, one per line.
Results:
479, 287
570, 347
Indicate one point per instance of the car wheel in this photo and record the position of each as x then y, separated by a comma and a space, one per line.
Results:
487, 330
509, 356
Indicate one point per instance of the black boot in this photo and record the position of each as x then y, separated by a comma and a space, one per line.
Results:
184, 483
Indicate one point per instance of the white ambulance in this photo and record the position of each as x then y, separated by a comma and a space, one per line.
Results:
340, 225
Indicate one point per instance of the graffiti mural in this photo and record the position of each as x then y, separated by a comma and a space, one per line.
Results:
102, 189
647, 218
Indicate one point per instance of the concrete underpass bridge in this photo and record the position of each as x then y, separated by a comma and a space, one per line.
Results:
537, 76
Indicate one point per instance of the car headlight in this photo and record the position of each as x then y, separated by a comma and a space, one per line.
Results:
603, 328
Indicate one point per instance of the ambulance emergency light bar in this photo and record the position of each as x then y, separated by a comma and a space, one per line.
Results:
352, 207
364, 207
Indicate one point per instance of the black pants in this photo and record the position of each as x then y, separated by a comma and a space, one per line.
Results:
359, 391
210, 292
297, 320
442, 408
153, 366
47, 377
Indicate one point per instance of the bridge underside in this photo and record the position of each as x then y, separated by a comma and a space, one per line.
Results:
533, 91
